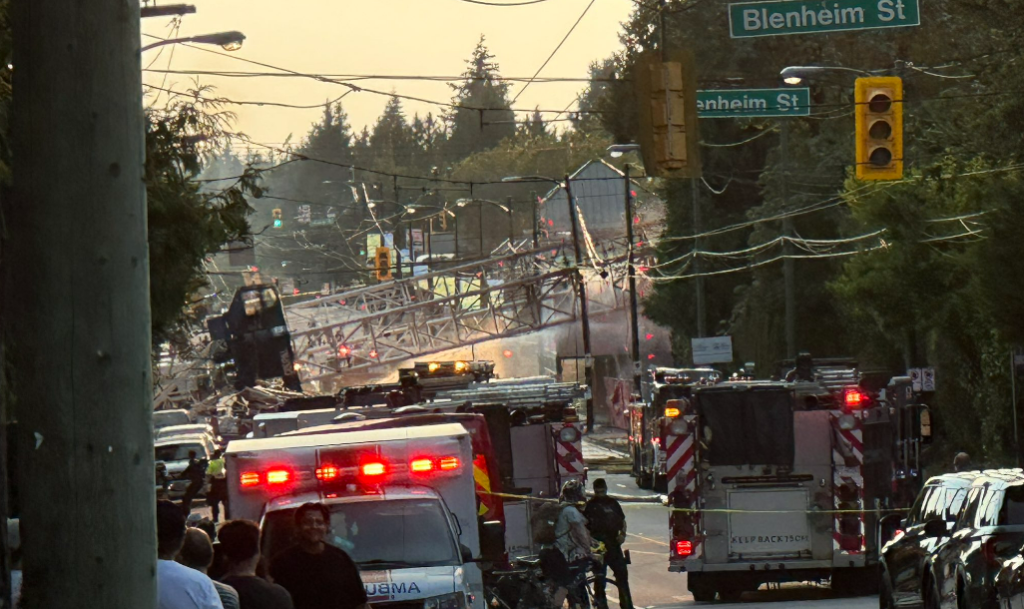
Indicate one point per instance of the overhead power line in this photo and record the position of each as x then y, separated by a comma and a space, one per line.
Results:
564, 38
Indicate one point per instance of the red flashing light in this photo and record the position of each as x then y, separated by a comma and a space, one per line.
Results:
632, 193
651, 356
373, 354
249, 479
448, 464
854, 398
344, 351
684, 548
649, 336
373, 469
296, 291
279, 476
421, 465
551, 222
327, 472
507, 353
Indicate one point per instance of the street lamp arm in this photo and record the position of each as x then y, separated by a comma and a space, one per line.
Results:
794, 75
230, 41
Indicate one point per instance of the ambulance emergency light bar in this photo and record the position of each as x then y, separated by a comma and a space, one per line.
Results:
371, 469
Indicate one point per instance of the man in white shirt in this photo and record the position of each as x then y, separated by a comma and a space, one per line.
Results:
177, 586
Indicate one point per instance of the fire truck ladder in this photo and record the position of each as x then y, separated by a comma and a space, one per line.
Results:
497, 297
518, 395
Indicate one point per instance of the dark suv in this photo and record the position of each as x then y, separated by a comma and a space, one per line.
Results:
990, 529
903, 560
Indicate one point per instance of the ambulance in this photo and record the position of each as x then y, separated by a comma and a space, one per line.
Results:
402, 504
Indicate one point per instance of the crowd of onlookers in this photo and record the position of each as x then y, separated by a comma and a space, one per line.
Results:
205, 567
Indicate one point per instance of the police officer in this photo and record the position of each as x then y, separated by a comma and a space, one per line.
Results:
607, 524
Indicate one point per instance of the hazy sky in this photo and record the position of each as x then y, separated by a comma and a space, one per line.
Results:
381, 37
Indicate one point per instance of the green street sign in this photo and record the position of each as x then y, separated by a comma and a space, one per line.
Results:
748, 103
782, 18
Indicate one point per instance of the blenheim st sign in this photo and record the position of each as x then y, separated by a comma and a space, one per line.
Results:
752, 19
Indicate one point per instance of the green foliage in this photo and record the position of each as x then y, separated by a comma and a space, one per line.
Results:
484, 117
929, 292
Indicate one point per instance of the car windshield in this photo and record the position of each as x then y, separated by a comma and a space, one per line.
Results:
377, 534
178, 452
180, 430
170, 417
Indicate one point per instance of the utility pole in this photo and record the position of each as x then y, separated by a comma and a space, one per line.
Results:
511, 224
533, 200
76, 312
788, 271
702, 318
581, 280
634, 314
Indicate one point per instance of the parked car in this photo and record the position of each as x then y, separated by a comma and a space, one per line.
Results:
192, 429
173, 453
904, 558
166, 418
989, 531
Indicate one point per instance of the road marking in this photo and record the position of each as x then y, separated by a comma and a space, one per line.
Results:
620, 485
643, 552
657, 541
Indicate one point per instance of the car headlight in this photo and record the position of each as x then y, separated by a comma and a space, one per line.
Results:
456, 600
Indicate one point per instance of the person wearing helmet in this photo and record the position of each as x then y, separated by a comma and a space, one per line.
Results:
573, 540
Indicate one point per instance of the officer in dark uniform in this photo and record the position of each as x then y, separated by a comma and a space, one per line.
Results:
607, 524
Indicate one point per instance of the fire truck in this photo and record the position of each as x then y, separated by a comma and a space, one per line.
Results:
787, 481
647, 419
527, 435
402, 505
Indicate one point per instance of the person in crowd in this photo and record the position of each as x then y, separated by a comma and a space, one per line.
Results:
218, 494
607, 523
240, 542
962, 462
197, 553
195, 473
317, 574
14, 546
573, 540
177, 586
804, 369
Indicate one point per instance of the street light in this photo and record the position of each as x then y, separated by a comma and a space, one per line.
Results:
795, 75
617, 150
229, 41
479, 203
581, 282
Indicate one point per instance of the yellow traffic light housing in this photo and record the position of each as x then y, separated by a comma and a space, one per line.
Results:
667, 112
382, 264
879, 111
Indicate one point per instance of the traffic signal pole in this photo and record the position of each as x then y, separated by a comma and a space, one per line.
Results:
581, 282
76, 316
788, 270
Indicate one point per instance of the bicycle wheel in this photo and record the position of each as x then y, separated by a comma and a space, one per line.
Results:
611, 589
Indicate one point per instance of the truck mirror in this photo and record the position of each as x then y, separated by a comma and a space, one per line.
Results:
467, 554
926, 425
492, 540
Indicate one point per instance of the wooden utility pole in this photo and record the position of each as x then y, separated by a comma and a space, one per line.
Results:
76, 315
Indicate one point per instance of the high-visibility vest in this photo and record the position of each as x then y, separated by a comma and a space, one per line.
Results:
216, 468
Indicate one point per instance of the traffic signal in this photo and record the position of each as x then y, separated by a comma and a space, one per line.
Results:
667, 111
278, 222
879, 101
382, 262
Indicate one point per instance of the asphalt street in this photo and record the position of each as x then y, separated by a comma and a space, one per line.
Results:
653, 586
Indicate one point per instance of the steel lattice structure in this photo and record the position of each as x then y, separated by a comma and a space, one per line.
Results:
498, 297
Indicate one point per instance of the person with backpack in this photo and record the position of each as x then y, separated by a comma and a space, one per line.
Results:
607, 524
573, 541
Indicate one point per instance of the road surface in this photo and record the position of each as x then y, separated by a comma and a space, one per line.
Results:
653, 586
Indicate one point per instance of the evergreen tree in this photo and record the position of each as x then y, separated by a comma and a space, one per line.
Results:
392, 143
483, 116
